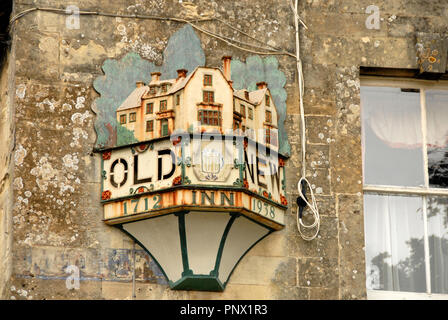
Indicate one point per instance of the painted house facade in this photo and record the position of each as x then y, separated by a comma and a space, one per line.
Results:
202, 101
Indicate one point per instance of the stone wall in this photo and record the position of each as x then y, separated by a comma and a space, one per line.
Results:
57, 218
6, 167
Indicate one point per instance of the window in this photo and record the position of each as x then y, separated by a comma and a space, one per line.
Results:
208, 96
268, 116
164, 127
243, 111
152, 90
150, 126
132, 117
236, 124
123, 119
163, 88
267, 136
273, 141
177, 99
405, 169
149, 108
207, 80
251, 113
209, 117
267, 100
163, 105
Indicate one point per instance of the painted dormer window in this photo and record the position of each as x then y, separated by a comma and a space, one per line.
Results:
208, 96
152, 90
164, 88
208, 80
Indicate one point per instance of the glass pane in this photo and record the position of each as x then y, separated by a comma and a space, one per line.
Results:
438, 243
437, 137
395, 257
392, 139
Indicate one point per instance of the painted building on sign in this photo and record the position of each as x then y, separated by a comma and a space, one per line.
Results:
202, 100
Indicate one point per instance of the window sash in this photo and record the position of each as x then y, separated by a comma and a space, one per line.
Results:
209, 117
150, 126
149, 108
243, 110
423, 191
268, 116
163, 105
164, 127
207, 80
123, 119
208, 96
423, 85
251, 114
268, 136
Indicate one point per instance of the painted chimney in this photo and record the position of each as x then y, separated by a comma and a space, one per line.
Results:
155, 76
226, 66
181, 73
139, 84
246, 94
262, 85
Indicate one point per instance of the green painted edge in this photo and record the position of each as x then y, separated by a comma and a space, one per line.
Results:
182, 154
284, 182
183, 243
102, 178
233, 217
241, 161
236, 210
239, 260
201, 281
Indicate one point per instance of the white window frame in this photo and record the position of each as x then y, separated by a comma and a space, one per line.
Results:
424, 191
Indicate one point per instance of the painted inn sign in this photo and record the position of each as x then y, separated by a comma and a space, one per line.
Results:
200, 180
154, 178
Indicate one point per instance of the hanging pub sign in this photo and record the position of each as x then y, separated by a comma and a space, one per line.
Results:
192, 168
198, 174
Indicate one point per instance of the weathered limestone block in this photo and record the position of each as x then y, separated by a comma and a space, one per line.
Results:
351, 242
318, 272
432, 52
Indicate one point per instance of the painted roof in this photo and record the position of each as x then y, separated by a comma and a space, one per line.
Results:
257, 96
178, 85
134, 99
240, 95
